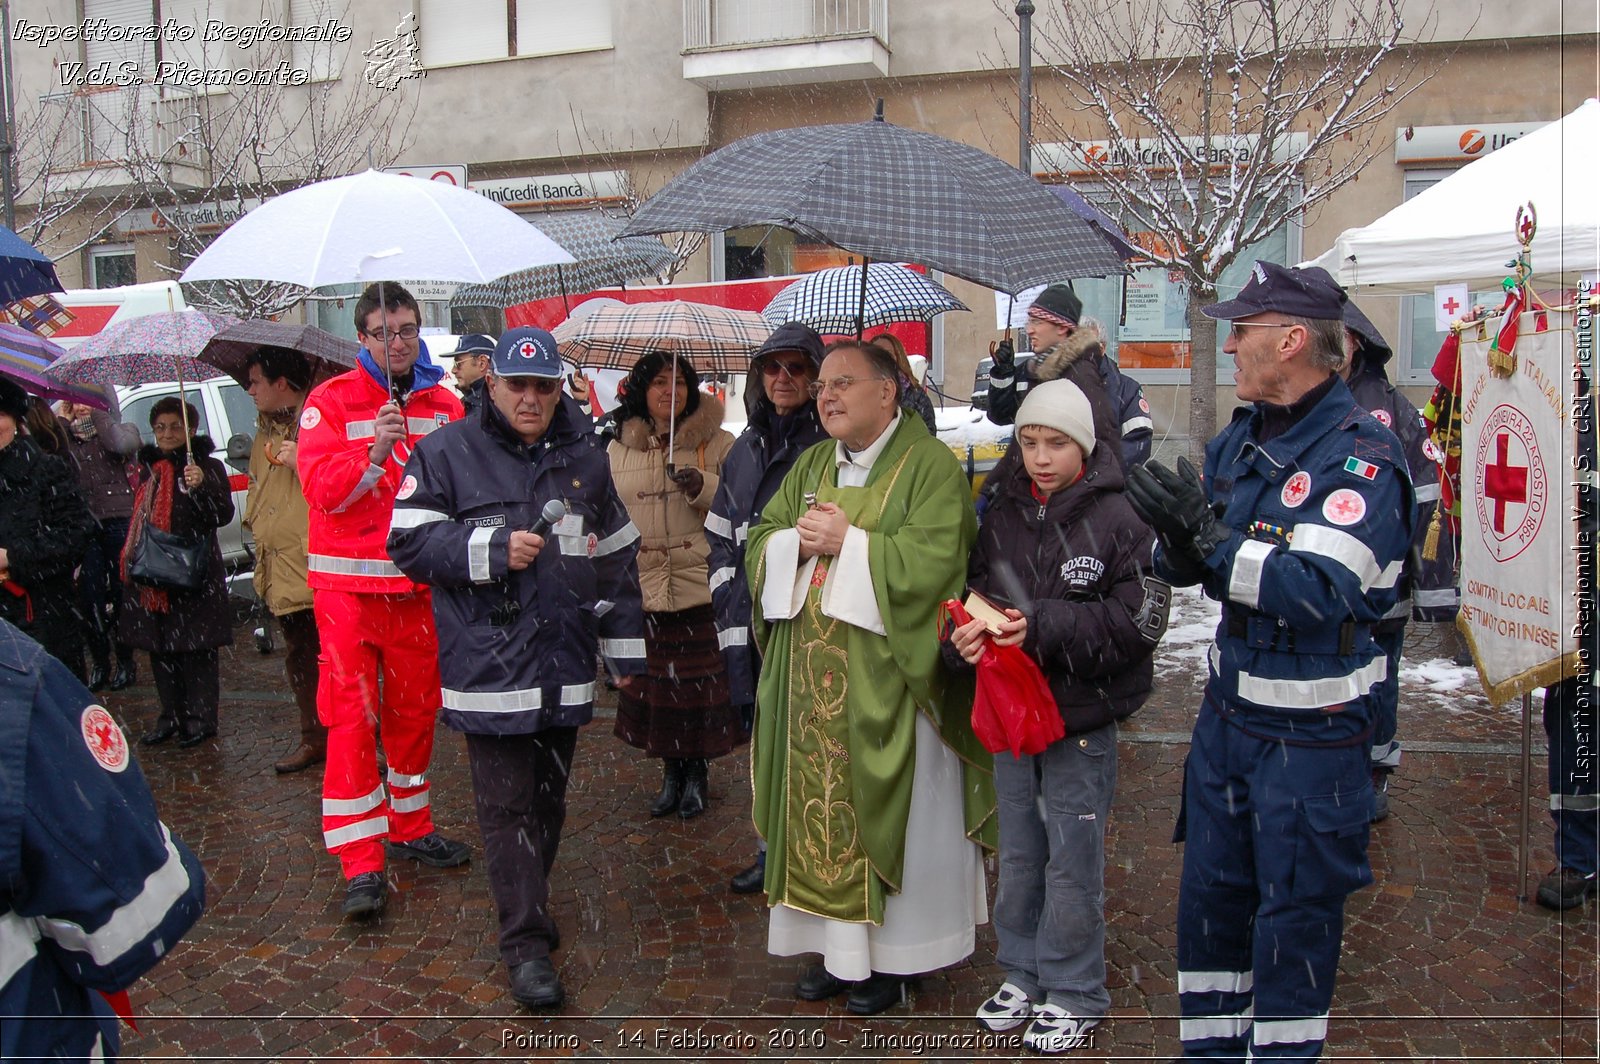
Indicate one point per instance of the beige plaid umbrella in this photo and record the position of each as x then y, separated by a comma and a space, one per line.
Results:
719, 340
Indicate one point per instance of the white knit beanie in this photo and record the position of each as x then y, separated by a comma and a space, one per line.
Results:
1060, 405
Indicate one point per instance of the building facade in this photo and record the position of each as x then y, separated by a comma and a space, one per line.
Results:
544, 105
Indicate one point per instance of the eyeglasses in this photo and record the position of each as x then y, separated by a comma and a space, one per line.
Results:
1234, 331
540, 385
382, 334
838, 385
795, 368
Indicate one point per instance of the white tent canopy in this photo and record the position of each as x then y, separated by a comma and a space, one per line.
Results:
1461, 228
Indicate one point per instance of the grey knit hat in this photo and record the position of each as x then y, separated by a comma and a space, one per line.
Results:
1060, 405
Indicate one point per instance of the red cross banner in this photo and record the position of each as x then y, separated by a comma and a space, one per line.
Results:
1518, 523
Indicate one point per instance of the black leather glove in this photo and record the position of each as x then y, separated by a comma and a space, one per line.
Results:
690, 481
1175, 506
1004, 354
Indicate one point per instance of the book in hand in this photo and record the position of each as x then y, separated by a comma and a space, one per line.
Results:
983, 610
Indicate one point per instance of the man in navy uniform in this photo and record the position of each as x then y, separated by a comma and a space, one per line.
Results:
522, 608
1300, 529
94, 890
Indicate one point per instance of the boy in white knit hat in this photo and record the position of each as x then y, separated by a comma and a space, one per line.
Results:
1067, 556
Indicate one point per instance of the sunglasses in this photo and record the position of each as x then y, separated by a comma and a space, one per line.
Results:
795, 368
540, 385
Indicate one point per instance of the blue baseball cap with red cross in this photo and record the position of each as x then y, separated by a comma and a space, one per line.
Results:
527, 352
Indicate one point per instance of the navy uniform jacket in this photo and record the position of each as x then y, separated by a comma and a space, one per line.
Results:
517, 649
1321, 518
750, 477
93, 888
1428, 589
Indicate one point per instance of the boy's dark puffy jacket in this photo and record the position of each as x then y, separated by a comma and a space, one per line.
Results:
1080, 572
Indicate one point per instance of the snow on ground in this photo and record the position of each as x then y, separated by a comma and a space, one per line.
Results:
960, 426
1192, 626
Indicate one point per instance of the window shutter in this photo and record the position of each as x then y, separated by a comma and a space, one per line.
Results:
551, 27
461, 31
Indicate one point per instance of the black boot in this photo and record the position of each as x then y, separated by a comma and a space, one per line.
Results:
693, 802
671, 787
126, 674
99, 641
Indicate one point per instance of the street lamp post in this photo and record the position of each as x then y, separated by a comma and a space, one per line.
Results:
1025, 77
7, 117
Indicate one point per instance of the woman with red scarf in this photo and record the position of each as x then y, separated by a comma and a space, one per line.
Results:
183, 491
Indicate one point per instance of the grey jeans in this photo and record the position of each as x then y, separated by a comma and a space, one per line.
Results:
1049, 913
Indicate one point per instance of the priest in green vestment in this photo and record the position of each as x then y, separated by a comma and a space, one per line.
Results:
870, 789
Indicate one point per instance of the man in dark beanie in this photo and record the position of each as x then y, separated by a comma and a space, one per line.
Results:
1065, 348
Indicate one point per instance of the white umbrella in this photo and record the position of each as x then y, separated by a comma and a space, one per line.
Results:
375, 227
1461, 228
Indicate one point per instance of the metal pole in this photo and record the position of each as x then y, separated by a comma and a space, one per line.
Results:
1522, 806
1025, 78
7, 117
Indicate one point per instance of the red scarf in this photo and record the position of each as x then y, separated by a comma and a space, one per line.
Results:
162, 480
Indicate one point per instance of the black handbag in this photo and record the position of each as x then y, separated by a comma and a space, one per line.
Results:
166, 560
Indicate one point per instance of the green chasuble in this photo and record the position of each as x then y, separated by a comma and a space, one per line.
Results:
834, 745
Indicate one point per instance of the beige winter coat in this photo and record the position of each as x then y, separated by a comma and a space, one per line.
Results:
672, 541
275, 513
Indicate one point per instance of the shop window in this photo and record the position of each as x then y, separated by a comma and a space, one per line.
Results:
111, 267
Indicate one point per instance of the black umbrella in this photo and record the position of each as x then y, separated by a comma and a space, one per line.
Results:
888, 193
602, 261
231, 348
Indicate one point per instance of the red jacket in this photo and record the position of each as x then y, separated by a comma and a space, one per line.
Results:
350, 499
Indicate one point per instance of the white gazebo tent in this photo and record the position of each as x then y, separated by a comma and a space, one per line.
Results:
1461, 228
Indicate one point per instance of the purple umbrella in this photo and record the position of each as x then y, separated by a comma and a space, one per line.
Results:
24, 356
1098, 220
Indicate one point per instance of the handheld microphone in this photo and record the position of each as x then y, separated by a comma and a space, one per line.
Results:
553, 512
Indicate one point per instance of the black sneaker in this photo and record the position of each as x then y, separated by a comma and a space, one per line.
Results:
432, 849
364, 896
1564, 888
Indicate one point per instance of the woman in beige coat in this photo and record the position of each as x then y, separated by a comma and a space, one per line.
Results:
680, 711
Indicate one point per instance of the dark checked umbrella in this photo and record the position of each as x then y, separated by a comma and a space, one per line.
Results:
230, 349
602, 261
717, 339
891, 194
830, 300
24, 269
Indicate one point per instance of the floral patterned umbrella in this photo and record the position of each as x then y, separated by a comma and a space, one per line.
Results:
145, 350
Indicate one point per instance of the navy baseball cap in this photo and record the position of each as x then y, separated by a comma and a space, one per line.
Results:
1286, 290
527, 352
473, 344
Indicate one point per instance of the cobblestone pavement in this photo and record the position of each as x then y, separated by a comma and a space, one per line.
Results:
1441, 960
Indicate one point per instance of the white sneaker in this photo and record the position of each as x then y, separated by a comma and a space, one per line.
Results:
1055, 1030
1008, 1008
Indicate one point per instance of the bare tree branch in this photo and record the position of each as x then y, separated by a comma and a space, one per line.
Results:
1225, 119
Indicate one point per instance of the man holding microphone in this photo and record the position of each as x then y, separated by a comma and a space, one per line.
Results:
510, 515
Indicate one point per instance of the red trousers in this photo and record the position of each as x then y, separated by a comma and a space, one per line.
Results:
365, 637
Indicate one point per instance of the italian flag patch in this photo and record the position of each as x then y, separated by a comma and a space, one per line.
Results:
1360, 468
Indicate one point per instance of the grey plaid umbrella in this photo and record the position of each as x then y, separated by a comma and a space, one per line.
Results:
830, 300
889, 193
602, 261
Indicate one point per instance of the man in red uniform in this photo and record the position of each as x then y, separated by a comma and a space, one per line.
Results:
355, 437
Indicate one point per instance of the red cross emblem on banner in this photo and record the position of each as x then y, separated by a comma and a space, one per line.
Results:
1512, 483
1503, 482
